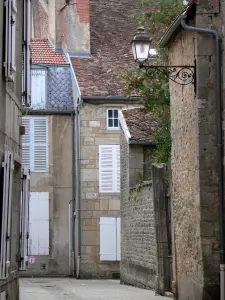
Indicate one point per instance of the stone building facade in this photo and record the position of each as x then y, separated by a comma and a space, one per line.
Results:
98, 95
194, 160
10, 144
83, 30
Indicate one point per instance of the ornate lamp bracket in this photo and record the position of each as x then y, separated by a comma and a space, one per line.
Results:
182, 75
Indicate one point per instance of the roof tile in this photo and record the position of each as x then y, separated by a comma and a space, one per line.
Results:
141, 125
42, 52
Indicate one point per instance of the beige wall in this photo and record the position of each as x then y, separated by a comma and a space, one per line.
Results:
10, 120
94, 204
59, 185
194, 173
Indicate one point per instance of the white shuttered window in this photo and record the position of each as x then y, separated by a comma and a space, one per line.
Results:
109, 168
110, 239
39, 223
35, 143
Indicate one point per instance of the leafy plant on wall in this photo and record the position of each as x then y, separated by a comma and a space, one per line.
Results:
154, 86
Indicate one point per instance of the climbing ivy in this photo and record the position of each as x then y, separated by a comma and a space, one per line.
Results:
153, 88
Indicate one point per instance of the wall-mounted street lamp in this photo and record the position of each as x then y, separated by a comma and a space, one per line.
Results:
141, 43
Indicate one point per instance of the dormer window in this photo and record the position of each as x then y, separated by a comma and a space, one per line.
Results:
112, 119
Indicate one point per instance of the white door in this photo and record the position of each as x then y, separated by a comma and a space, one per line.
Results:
39, 223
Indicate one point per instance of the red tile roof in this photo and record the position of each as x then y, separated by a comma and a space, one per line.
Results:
42, 52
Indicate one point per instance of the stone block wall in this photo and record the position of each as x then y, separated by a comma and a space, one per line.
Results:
93, 132
138, 239
144, 234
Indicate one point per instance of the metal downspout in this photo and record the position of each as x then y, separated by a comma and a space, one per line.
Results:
78, 191
73, 191
219, 145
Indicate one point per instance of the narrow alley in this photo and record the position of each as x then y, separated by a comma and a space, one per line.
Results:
67, 288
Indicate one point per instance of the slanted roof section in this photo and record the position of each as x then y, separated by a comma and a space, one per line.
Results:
42, 52
112, 27
176, 25
139, 127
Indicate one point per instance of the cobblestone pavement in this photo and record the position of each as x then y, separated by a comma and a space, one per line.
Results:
67, 289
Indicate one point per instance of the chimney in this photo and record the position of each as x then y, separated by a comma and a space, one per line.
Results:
73, 26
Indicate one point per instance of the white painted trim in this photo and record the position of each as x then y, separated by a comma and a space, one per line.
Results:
74, 78
124, 126
107, 118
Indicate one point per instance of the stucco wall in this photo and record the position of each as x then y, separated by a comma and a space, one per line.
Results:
58, 183
10, 102
194, 175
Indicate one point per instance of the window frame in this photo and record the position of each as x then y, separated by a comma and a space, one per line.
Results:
107, 119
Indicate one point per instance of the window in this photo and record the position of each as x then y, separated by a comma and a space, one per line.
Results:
10, 39
26, 74
24, 225
35, 143
6, 214
113, 119
110, 239
39, 223
38, 88
109, 168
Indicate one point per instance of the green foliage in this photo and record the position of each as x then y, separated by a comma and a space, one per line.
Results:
153, 87
158, 16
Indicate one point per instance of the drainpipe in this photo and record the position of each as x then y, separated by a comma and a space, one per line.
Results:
73, 193
78, 191
219, 146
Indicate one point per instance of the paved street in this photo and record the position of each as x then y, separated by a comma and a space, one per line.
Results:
66, 289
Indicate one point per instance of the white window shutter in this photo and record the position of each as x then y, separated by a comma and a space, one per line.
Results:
13, 39
118, 251
38, 88
26, 79
8, 166
40, 144
6, 63
39, 223
24, 218
108, 251
106, 168
117, 168
26, 142
109, 168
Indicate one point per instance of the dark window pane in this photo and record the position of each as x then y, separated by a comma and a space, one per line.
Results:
110, 122
115, 113
116, 123
110, 112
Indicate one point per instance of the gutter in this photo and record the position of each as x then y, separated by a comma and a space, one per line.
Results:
78, 189
144, 143
76, 178
122, 98
219, 104
46, 112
